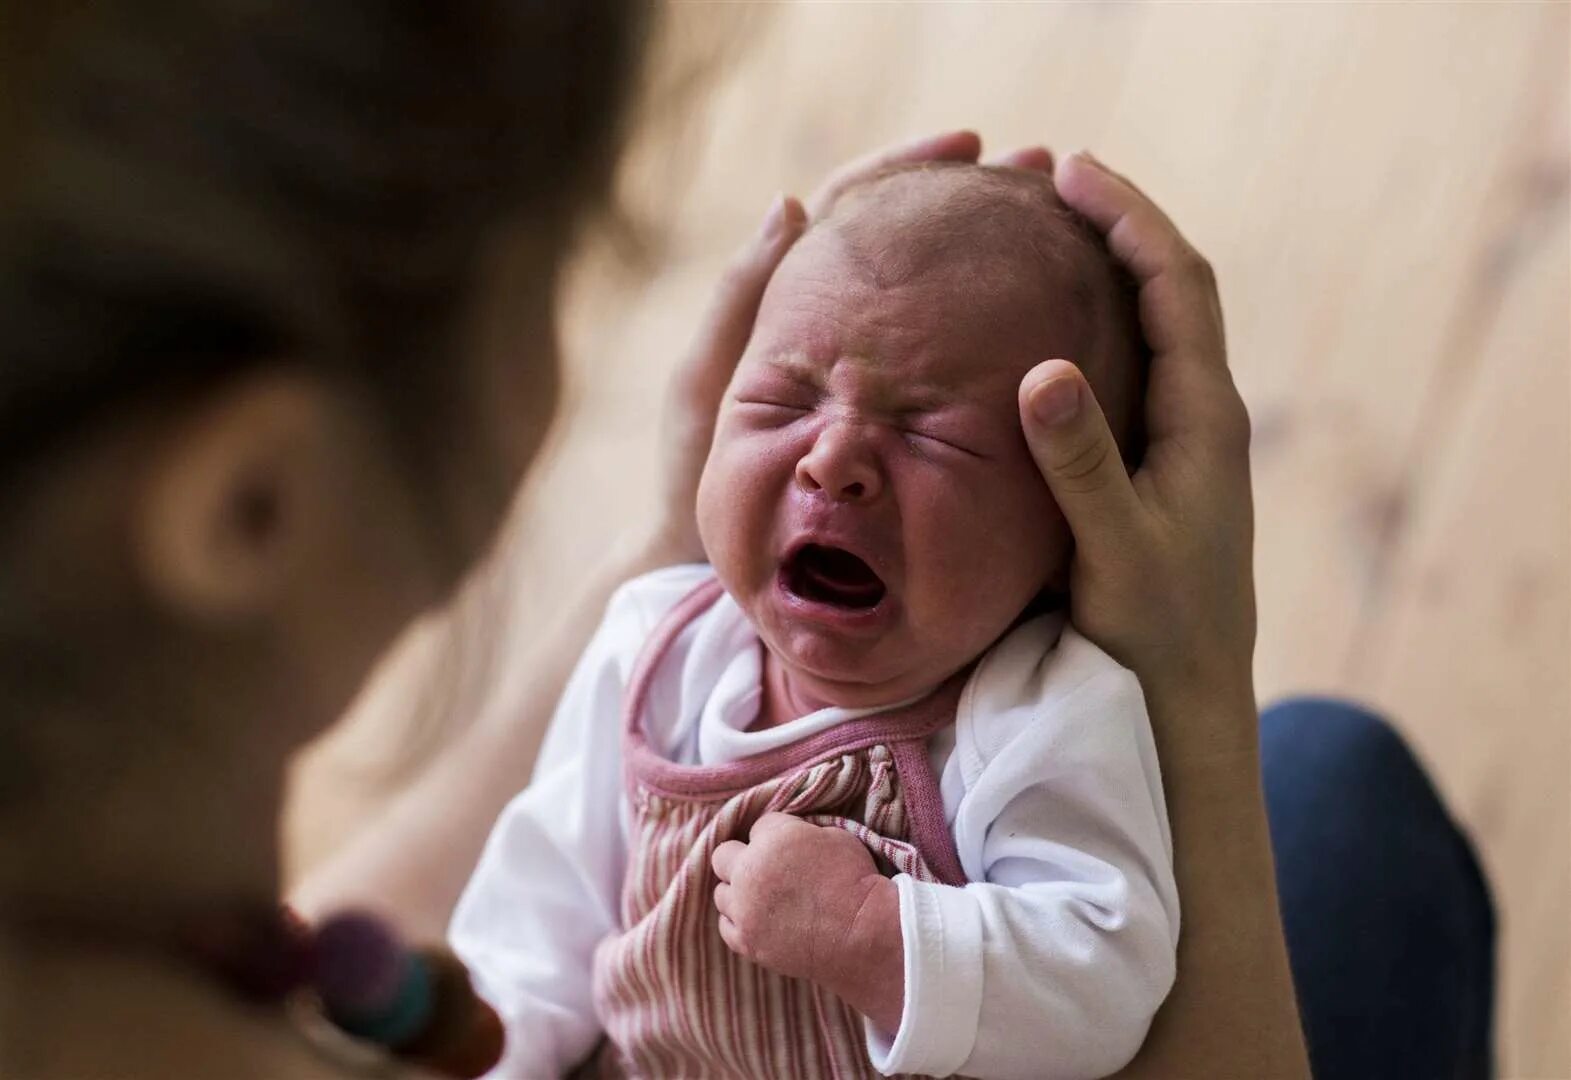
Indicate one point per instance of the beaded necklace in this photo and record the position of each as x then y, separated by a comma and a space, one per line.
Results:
353, 971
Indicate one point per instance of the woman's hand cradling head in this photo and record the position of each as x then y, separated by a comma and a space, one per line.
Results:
696, 388
1162, 576
687, 423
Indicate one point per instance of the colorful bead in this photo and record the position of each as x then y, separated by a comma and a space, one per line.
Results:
465, 1036
360, 964
370, 985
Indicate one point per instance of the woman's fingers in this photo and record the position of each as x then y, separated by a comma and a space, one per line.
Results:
699, 382
729, 323
1190, 398
1076, 452
1179, 310
949, 146
1197, 405
1137, 231
1035, 158
702, 378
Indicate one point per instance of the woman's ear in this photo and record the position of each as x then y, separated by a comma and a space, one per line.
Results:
223, 519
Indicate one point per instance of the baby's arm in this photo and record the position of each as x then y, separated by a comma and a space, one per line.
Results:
1055, 961
807, 901
547, 887
1052, 965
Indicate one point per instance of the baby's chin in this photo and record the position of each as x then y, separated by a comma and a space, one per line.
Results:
828, 672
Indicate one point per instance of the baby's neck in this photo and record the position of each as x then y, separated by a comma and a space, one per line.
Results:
786, 698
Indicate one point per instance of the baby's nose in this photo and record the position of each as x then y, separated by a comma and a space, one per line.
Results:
840, 466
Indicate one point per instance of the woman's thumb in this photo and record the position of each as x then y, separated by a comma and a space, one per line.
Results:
1075, 451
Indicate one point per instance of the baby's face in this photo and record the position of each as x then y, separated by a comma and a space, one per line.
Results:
869, 500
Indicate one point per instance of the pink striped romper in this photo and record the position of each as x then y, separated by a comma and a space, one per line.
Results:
675, 1002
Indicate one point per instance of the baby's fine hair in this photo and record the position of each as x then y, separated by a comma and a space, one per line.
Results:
912, 216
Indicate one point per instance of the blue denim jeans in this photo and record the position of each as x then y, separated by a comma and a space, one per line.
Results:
1390, 928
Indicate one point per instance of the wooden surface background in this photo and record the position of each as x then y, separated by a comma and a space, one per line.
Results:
1383, 191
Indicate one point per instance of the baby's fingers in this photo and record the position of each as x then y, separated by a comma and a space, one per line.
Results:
726, 858
732, 936
1075, 451
775, 822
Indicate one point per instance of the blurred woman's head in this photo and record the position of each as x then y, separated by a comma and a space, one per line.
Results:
276, 294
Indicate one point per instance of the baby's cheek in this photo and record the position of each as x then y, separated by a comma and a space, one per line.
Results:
724, 512
995, 549
711, 504
1037, 538
739, 499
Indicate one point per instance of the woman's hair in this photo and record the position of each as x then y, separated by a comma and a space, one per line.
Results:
192, 186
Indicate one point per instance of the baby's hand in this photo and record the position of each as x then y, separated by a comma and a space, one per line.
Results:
808, 902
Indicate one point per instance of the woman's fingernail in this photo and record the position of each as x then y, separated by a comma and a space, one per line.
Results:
1056, 401
1089, 158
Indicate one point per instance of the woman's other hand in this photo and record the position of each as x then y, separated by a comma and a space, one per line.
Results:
1162, 575
693, 398
1163, 579
687, 423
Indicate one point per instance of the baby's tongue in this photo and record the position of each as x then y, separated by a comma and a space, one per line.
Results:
838, 577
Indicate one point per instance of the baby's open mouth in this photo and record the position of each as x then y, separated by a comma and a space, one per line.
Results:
830, 575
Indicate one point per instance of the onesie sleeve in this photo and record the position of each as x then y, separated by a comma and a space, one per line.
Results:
546, 890
1056, 957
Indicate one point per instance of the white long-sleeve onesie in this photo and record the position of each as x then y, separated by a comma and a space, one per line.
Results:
1050, 964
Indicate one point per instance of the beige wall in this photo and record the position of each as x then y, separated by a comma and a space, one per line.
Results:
1383, 190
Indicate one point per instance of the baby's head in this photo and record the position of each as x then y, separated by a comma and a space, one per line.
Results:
869, 500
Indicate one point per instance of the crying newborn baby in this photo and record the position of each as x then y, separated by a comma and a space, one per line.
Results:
856, 799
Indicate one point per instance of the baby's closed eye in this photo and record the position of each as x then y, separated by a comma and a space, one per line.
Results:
766, 412
945, 441
776, 397
944, 433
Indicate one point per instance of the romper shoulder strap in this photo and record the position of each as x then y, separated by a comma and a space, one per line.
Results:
690, 607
